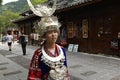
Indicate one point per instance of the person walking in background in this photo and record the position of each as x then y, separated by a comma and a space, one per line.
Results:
3, 39
32, 38
9, 40
23, 43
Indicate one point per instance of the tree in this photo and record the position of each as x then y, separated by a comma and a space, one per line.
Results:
2, 23
11, 11
5, 20
35, 2
0, 2
9, 15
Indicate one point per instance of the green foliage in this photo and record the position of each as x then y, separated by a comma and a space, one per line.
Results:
5, 20
9, 15
0, 2
11, 11
17, 6
2, 24
36, 2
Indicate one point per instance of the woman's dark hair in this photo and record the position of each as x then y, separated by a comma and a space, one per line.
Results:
9, 33
22, 33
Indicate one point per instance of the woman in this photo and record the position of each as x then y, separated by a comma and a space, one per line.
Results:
49, 61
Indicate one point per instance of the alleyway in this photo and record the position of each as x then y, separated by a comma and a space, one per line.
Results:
82, 66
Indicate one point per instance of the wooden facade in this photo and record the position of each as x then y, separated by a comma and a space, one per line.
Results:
92, 25
102, 25
26, 24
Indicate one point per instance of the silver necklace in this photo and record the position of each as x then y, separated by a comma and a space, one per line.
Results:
54, 59
58, 70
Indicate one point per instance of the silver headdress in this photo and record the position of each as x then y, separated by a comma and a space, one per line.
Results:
47, 18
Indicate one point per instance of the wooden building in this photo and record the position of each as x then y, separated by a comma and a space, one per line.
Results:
26, 23
91, 24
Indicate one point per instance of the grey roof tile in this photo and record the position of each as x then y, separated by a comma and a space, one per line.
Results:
69, 3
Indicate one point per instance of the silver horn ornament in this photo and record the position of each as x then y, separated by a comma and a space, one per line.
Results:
42, 10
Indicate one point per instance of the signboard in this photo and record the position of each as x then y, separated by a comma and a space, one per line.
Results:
70, 47
75, 48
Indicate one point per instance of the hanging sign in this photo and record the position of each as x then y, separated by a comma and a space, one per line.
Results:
85, 28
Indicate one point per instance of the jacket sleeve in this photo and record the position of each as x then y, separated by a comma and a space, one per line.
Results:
65, 63
34, 70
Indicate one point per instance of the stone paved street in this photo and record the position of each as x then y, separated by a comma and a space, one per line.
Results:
82, 66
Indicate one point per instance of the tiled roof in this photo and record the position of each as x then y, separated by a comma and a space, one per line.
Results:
61, 5
64, 4
70, 3
23, 18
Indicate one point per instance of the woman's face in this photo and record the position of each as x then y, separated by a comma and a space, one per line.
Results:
51, 36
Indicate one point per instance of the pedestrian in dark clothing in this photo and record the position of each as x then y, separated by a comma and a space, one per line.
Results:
23, 43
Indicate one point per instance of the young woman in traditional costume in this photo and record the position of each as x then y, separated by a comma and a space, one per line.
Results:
49, 61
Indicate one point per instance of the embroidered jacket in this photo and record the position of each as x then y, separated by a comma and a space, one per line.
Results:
38, 69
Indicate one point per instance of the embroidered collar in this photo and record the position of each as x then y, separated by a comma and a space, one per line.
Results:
54, 59
54, 53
